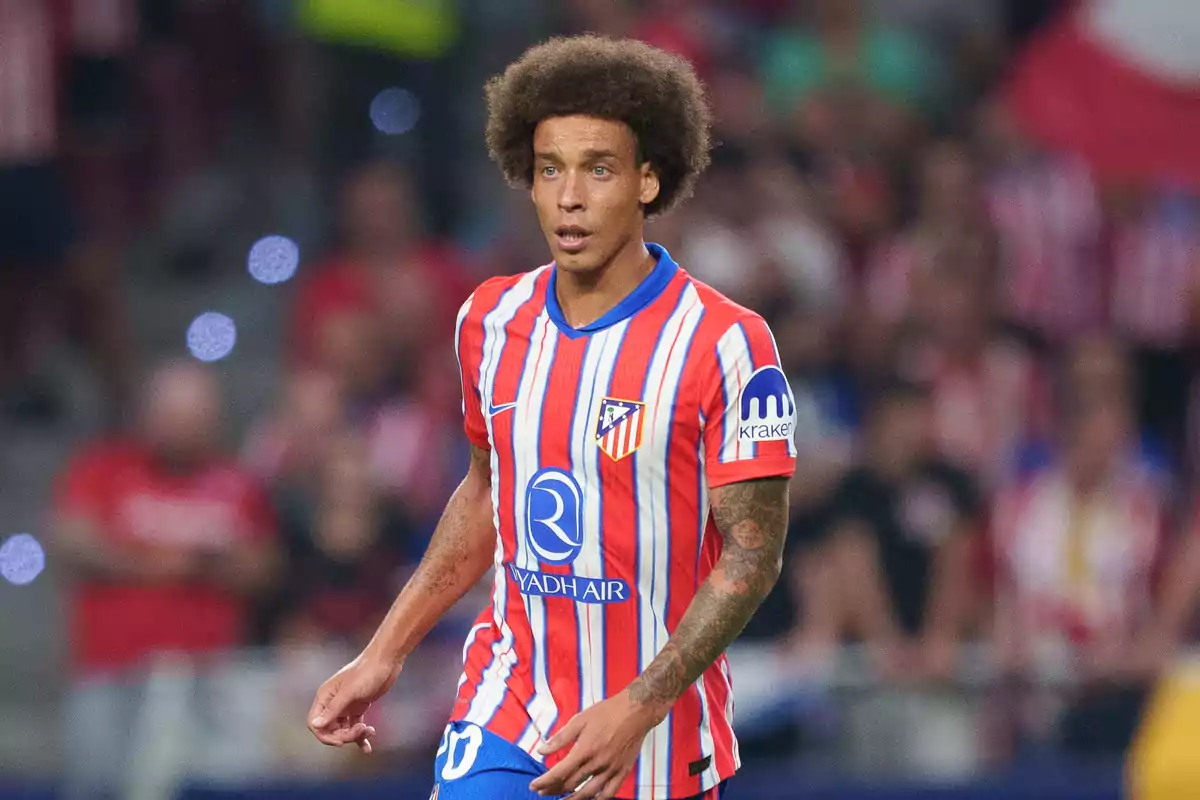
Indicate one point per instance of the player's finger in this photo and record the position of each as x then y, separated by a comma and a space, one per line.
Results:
586, 782
554, 781
331, 738
342, 734
612, 785
564, 737
325, 708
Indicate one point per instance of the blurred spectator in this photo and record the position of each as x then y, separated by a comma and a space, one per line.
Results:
827, 403
1078, 545
165, 540
346, 546
741, 118
289, 444
967, 34
754, 233
989, 397
44, 270
843, 79
417, 452
1154, 246
385, 266
1046, 211
406, 405
898, 533
949, 204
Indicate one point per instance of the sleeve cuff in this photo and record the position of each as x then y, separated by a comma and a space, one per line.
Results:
734, 471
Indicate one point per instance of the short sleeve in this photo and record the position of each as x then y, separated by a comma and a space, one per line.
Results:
749, 413
467, 349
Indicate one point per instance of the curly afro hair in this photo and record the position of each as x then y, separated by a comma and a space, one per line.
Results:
653, 92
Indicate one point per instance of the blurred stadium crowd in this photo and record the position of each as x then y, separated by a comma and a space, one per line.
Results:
992, 350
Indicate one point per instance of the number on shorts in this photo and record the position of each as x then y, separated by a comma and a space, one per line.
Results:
471, 738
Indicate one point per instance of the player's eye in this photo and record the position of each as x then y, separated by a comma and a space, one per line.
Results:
601, 171
549, 171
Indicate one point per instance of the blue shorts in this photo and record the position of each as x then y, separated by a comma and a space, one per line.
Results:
474, 764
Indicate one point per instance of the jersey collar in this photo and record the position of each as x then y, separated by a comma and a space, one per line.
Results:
646, 293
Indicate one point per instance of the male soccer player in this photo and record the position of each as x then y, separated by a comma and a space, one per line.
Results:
632, 440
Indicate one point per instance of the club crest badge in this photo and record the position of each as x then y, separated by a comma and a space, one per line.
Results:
619, 428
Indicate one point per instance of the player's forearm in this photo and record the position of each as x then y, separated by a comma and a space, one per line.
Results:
461, 551
752, 518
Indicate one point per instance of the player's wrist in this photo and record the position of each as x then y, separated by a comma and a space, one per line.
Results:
381, 658
654, 707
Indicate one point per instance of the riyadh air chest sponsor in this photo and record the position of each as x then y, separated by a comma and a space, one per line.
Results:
554, 532
766, 408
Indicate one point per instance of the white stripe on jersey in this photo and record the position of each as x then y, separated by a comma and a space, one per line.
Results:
529, 739
596, 375
458, 326
733, 359
652, 469
492, 685
526, 440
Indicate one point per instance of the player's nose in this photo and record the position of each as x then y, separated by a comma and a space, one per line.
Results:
571, 196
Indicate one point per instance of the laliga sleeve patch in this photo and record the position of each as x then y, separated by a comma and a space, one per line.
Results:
766, 408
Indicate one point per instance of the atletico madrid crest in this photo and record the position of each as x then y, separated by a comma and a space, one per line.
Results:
619, 429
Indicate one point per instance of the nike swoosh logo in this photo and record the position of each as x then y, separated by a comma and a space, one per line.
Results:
494, 410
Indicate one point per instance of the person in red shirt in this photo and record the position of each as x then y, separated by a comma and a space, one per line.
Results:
384, 265
164, 539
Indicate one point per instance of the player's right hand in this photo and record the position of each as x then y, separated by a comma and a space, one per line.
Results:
337, 714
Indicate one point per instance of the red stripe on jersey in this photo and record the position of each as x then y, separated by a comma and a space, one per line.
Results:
475, 659
558, 419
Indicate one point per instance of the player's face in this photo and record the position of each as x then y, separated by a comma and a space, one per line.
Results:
589, 189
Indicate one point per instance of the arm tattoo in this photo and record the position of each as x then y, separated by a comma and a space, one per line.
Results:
752, 518
456, 539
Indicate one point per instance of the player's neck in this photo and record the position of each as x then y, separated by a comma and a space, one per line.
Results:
585, 298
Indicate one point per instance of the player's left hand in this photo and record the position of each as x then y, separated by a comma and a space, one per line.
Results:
607, 739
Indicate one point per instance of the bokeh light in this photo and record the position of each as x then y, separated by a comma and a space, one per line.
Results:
211, 336
21, 559
395, 111
273, 259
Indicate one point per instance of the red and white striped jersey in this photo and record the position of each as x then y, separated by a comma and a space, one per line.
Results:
605, 442
1048, 220
1156, 277
1075, 570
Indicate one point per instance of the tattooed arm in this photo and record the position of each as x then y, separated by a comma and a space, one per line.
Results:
752, 518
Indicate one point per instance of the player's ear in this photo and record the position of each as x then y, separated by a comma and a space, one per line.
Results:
650, 184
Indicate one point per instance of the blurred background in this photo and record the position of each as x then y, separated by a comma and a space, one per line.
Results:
233, 237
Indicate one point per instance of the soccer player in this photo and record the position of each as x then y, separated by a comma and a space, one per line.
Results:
632, 440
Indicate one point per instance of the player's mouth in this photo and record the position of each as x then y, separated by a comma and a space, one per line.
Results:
571, 238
